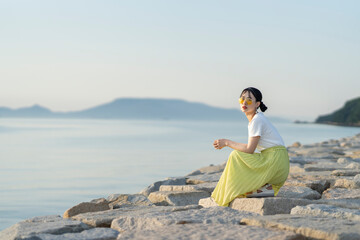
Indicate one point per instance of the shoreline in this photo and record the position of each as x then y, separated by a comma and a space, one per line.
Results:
323, 187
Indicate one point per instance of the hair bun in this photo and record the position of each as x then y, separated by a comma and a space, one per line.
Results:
263, 107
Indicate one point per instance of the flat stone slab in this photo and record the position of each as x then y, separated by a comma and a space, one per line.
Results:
104, 219
268, 206
324, 210
318, 185
123, 200
47, 224
341, 193
208, 232
154, 187
153, 220
209, 169
343, 203
324, 166
203, 178
206, 187
87, 207
346, 172
177, 198
298, 192
309, 226
92, 234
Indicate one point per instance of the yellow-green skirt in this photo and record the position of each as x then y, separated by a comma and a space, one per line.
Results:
246, 172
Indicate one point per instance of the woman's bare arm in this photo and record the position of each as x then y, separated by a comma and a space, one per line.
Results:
246, 148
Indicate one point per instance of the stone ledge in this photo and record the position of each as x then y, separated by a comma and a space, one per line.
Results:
309, 226
268, 206
177, 198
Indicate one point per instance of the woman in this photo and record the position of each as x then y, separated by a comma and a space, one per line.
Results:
249, 174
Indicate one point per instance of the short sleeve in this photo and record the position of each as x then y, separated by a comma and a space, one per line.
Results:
255, 128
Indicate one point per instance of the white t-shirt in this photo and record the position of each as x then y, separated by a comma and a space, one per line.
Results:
269, 136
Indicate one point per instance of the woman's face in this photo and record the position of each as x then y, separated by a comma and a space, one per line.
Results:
248, 103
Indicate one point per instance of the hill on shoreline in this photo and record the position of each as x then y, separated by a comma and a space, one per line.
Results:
348, 115
134, 108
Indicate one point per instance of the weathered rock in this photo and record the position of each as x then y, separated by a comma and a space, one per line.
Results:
344, 160
104, 219
318, 185
47, 224
87, 207
298, 192
296, 144
156, 185
353, 166
206, 187
345, 172
314, 176
267, 206
296, 168
209, 232
343, 203
207, 202
203, 178
348, 183
92, 234
177, 198
341, 193
209, 170
324, 210
324, 166
153, 220
123, 200
309, 226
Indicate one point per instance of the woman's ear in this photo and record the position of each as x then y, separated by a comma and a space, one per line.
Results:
258, 104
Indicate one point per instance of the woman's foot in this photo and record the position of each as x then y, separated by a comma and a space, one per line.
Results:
264, 191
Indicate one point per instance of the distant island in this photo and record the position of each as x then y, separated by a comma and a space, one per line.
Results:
134, 108
348, 115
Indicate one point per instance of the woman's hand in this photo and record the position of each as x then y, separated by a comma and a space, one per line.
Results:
220, 143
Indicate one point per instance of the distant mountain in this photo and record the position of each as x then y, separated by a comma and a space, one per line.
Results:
135, 108
348, 115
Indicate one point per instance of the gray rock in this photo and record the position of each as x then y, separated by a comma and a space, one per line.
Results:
210, 169
298, 192
353, 166
267, 206
177, 198
208, 202
324, 166
38, 225
153, 220
343, 203
122, 200
345, 172
344, 160
348, 183
341, 193
209, 232
296, 168
324, 210
206, 187
104, 219
156, 185
92, 234
309, 226
87, 207
318, 185
203, 178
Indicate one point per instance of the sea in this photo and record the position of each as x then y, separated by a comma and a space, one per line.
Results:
50, 165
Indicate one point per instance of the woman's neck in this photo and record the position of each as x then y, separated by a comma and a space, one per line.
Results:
250, 116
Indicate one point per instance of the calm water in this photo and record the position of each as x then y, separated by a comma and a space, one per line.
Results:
49, 165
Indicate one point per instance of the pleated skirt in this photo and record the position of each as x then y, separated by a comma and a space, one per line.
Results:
246, 172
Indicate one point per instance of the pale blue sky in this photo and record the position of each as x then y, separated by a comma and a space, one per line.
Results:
71, 55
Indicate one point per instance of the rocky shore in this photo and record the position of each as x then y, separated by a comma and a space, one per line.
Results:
320, 200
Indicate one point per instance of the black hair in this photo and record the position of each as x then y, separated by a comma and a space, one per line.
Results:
258, 96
